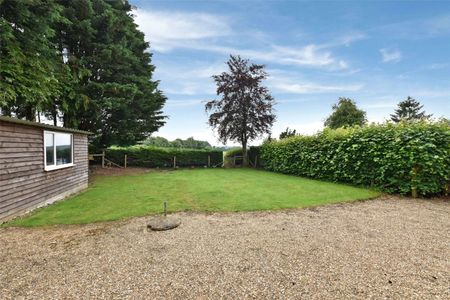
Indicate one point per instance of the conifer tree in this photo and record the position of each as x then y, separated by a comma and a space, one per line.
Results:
409, 110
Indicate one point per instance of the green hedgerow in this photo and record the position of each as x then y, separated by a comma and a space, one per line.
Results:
151, 157
396, 158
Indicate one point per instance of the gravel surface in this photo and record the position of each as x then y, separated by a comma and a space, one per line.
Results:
385, 248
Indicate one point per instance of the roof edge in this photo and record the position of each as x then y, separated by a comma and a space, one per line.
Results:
41, 125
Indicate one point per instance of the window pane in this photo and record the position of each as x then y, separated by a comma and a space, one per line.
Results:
63, 148
49, 154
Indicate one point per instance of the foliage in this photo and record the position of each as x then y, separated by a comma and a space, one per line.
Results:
288, 133
233, 152
229, 157
29, 63
245, 110
117, 197
409, 110
152, 157
392, 157
189, 143
81, 61
345, 113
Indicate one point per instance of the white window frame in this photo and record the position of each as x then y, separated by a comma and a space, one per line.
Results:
55, 166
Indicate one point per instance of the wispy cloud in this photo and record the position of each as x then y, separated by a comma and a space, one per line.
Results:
291, 83
418, 29
439, 66
168, 30
309, 88
390, 55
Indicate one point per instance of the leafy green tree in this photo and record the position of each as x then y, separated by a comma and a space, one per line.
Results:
82, 62
116, 98
244, 111
287, 133
409, 110
345, 113
28, 60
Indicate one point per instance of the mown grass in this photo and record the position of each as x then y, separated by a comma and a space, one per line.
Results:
116, 197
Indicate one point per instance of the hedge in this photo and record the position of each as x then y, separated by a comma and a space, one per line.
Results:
395, 158
153, 157
252, 153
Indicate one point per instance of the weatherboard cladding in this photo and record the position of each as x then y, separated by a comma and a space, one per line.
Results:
24, 184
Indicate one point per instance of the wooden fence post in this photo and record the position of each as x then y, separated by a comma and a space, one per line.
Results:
174, 162
103, 159
209, 161
125, 162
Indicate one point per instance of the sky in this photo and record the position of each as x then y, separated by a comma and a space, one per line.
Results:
376, 53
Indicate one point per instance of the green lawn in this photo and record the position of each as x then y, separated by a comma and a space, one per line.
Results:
116, 197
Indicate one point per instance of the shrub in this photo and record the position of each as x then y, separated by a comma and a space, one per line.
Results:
228, 157
395, 158
151, 157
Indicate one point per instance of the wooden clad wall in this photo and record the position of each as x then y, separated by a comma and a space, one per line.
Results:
24, 184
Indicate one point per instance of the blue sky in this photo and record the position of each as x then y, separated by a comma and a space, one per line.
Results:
376, 53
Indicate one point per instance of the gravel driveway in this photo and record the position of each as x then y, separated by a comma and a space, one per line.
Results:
386, 248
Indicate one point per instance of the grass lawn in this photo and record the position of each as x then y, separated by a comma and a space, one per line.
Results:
116, 197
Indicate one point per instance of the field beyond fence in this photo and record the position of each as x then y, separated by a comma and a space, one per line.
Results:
155, 157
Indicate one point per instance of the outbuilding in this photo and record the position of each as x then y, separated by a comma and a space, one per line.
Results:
39, 164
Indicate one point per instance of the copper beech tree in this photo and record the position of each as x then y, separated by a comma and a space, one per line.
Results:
245, 110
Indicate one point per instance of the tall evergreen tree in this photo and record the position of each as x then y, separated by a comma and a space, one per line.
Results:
245, 111
117, 98
83, 62
28, 60
345, 113
409, 110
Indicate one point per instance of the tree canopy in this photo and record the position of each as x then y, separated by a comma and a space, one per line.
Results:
190, 143
83, 63
288, 133
409, 110
345, 113
245, 110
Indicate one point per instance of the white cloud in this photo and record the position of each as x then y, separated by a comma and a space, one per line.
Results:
308, 88
168, 30
288, 83
391, 55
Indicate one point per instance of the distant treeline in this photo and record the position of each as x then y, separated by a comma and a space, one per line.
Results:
189, 143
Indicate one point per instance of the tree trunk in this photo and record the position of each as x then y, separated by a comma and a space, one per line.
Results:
244, 154
30, 114
55, 117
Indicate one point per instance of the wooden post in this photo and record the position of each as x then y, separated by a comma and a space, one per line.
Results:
209, 161
103, 159
174, 162
125, 161
234, 161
